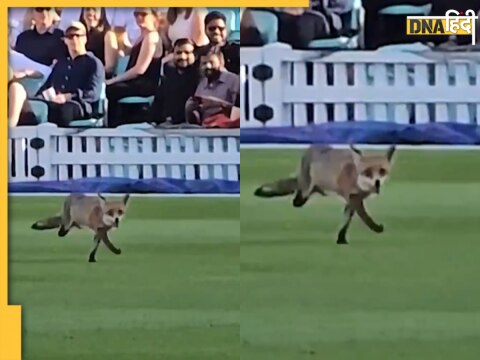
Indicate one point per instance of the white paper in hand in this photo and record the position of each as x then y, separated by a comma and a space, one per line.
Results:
49, 94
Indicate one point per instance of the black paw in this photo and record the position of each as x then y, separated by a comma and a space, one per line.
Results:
342, 241
91, 259
379, 229
118, 252
62, 231
299, 200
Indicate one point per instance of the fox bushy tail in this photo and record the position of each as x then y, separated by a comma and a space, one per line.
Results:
48, 223
282, 187
289, 185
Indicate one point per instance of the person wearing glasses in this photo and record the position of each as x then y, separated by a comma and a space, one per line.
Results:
43, 43
143, 69
217, 33
73, 89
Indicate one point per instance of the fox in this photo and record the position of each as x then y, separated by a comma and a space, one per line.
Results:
348, 173
92, 212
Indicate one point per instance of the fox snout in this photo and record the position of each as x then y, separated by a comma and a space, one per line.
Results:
117, 222
377, 186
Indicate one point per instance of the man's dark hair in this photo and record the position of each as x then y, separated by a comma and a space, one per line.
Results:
183, 41
214, 15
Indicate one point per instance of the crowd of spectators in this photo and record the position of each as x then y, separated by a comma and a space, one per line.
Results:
174, 66
361, 19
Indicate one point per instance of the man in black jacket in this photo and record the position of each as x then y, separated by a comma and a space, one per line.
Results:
177, 85
217, 33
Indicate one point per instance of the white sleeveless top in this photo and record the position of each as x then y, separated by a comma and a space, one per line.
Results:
183, 28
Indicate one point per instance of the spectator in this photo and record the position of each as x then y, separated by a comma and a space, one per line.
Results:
187, 23
101, 40
298, 28
216, 30
143, 70
19, 63
73, 89
43, 43
19, 109
178, 84
217, 91
374, 35
249, 33
338, 13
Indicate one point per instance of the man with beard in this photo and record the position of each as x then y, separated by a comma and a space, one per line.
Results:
217, 33
217, 92
177, 85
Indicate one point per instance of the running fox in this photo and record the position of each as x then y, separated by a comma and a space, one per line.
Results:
346, 172
93, 212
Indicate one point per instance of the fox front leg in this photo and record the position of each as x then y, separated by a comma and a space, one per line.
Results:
96, 240
108, 243
342, 234
356, 202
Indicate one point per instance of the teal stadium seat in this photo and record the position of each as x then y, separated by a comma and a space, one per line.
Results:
342, 42
122, 64
406, 10
267, 25
40, 109
121, 67
32, 85
97, 121
229, 14
234, 36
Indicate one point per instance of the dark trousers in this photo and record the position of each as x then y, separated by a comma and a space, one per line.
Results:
121, 90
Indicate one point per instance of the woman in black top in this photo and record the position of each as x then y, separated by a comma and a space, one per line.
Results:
143, 70
101, 40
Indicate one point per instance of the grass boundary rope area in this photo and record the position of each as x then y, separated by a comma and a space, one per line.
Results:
363, 146
133, 195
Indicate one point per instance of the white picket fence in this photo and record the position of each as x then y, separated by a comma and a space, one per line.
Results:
132, 153
398, 86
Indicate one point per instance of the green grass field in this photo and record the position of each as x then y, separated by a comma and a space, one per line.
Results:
172, 294
409, 293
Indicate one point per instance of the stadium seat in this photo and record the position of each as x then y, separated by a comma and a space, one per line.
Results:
96, 121
267, 25
229, 14
234, 36
336, 43
122, 64
40, 109
32, 85
406, 10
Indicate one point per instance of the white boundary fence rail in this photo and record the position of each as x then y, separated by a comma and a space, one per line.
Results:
46, 153
295, 88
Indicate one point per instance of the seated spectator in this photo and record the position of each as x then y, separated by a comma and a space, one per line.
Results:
101, 40
143, 69
373, 34
249, 33
298, 28
338, 13
73, 89
216, 30
19, 63
217, 92
43, 43
187, 23
177, 85
19, 109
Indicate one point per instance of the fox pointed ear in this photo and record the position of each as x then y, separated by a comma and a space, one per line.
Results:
355, 150
125, 199
101, 197
390, 152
